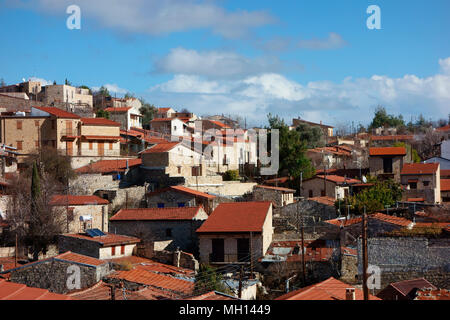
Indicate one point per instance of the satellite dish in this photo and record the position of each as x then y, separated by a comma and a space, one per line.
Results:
23, 80
364, 179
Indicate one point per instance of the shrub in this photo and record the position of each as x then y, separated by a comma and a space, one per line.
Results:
231, 175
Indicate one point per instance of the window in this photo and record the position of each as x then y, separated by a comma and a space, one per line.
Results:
413, 185
387, 165
181, 204
19, 145
122, 249
310, 193
110, 146
179, 170
160, 205
168, 232
19, 124
91, 145
36, 143
322, 193
113, 250
426, 183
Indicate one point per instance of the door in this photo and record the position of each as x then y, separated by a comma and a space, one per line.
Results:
218, 250
101, 148
69, 148
243, 249
69, 128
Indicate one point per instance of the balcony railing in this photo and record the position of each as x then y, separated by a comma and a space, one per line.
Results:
241, 257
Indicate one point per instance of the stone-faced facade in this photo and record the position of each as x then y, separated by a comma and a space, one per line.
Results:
109, 246
332, 186
53, 273
175, 227
236, 232
83, 212
421, 182
387, 162
279, 196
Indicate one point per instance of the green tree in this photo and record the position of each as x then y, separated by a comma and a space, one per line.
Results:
411, 150
148, 111
104, 91
383, 119
375, 198
35, 186
102, 114
129, 95
231, 175
312, 136
86, 87
207, 279
292, 150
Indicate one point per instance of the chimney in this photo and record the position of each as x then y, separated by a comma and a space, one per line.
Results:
350, 294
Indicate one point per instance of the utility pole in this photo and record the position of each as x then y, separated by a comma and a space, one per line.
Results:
240, 282
15, 253
303, 253
301, 183
251, 255
364, 255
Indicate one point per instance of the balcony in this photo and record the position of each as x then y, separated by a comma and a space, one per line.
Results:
70, 134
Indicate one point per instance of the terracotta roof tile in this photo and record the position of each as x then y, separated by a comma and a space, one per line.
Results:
387, 151
330, 289
184, 190
219, 124
445, 173
71, 200
78, 258
419, 168
156, 214
58, 112
444, 129
16, 291
445, 184
286, 190
99, 122
213, 295
427, 294
338, 179
109, 166
161, 147
237, 217
378, 216
110, 239
329, 201
114, 110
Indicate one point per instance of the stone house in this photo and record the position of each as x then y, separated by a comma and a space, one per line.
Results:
109, 246
164, 113
277, 195
83, 212
99, 137
54, 273
178, 197
168, 228
327, 130
335, 156
128, 117
422, 182
404, 290
56, 94
236, 232
169, 126
387, 162
330, 185
347, 230
43, 127
173, 159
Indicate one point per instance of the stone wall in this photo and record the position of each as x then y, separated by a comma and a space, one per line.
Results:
225, 188
12, 104
177, 258
53, 275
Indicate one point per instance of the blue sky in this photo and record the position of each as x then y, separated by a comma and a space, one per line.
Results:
314, 59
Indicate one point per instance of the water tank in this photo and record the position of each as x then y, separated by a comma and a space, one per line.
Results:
20, 113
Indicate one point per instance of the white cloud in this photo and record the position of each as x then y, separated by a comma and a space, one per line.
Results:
445, 65
336, 102
334, 41
156, 17
43, 82
114, 88
214, 63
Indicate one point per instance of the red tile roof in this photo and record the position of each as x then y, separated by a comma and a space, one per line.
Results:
329, 201
392, 138
8, 263
445, 173
156, 214
387, 151
338, 179
330, 289
78, 258
71, 200
277, 180
159, 281
110, 239
163, 119
102, 291
219, 124
237, 217
99, 122
285, 190
161, 147
378, 216
116, 110
444, 129
415, 199
427, 294
184, 190
153, 266
109, 166
163, 109
419, 168
16, 291
213, 295
59, 113
445, 184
